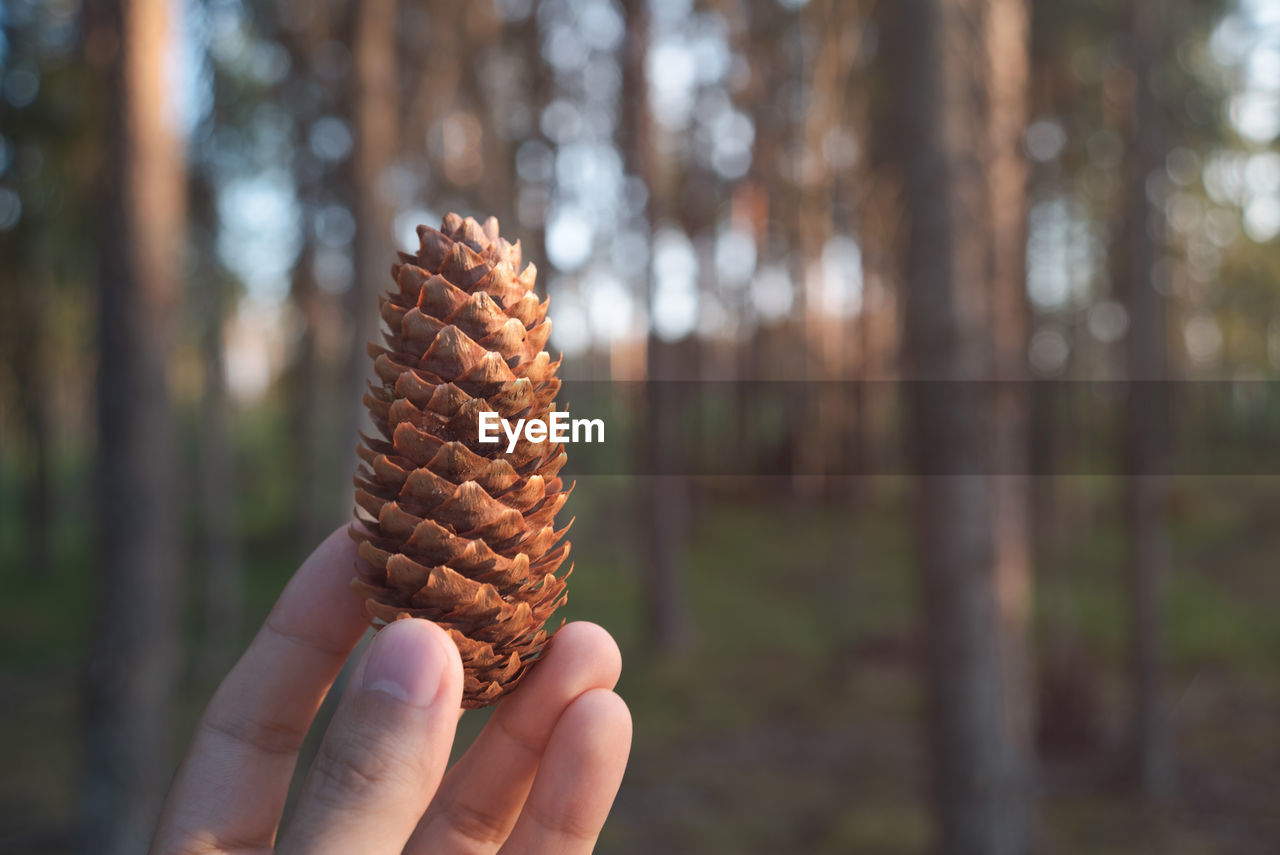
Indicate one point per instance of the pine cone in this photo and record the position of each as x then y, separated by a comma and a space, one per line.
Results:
457, 531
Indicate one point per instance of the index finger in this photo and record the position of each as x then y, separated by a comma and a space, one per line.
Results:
230, 790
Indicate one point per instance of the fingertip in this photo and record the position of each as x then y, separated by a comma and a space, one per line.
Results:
342, 540
332, 564
318, 599
415, 661
604, 719
591, 648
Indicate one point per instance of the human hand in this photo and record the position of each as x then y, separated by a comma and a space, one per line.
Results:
540, 777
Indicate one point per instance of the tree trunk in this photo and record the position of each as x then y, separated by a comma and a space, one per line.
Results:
527, 37
664, 497
973, 567
374, 101
130, 680
31, 373
308, 101
1145, 464
877, 202
223, 585
1008, 72
304, 393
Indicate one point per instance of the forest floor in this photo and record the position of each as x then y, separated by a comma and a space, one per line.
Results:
793, 722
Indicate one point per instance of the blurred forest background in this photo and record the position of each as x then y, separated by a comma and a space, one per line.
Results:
199, 201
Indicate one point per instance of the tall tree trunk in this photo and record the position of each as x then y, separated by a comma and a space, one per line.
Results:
303, 32
966, 561
304, 391
484, 31
527, 38
1008, 45
219, 545
31, 372
877, 213
830, 27
1146, 485
131, 673
374, 101
664, 497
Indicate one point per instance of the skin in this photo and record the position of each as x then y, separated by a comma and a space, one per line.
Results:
541, 776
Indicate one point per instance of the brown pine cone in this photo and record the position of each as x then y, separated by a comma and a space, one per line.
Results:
454, 530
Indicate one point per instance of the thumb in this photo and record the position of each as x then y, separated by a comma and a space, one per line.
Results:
386, 750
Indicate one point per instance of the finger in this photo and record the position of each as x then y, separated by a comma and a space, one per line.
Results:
387, 748
230, 790
577, 780
481, 797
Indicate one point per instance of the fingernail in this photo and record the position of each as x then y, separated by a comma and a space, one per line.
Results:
407, 662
